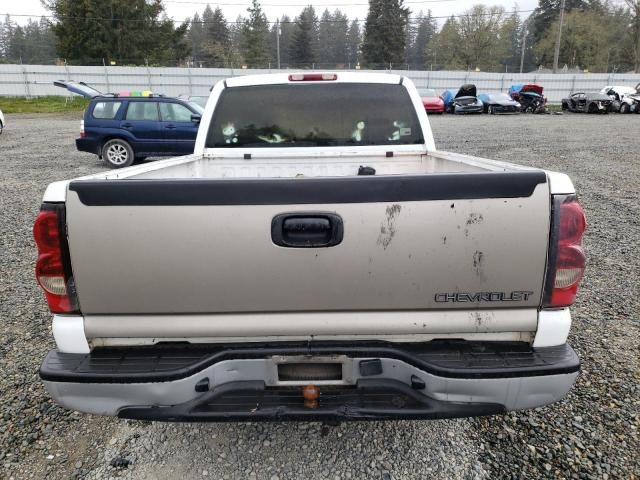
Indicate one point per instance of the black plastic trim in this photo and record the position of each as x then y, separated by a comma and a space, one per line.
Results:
307, 229
305, 191
451, 359
372, 399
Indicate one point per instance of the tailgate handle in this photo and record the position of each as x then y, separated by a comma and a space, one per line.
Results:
307, 230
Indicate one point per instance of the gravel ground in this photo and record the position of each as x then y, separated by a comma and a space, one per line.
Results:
591, 434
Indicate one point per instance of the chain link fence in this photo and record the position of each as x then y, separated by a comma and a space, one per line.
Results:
37, 80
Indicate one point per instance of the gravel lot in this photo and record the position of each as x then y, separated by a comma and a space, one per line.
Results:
594, 433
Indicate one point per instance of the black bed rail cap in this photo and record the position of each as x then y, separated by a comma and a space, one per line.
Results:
306, 191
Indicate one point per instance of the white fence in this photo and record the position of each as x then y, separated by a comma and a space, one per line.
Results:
37, 80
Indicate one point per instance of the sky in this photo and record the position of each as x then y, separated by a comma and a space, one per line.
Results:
181, 9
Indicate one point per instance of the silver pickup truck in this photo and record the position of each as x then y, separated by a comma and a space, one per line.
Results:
315, 258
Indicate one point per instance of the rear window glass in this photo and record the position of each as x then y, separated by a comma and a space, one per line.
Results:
314, 115
142, 111
106, 110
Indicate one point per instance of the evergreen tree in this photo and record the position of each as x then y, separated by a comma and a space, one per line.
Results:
447, 53
426, 29
511, 33
339, 34
324, 52
549, 10
236, 36
287, 28
126, 31
332, 38
195, 38
33, 43
255, 32
385, 33
16, 46
305, 38
6, 34
353, 42
217, 42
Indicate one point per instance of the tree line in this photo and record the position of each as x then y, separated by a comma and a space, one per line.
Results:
597, 35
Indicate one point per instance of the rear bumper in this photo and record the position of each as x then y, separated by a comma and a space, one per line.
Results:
237, 383
469, 109
86, 144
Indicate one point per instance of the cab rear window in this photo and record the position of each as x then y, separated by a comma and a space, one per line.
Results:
106, 110
314, 115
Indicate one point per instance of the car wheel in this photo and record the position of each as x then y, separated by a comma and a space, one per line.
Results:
117, 153
565, 106
625, 108
593, 108
1, 128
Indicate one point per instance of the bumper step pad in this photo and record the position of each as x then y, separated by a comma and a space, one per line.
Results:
370, 399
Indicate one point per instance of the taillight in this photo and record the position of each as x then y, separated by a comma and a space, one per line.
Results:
566, 257
53, 268
82, 134
312, 77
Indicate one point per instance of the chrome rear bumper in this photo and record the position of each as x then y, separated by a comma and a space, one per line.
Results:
378, 381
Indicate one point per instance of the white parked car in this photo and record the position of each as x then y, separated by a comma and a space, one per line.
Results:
627, 99
2, 124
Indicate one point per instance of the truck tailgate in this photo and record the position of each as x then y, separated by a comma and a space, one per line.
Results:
419, 242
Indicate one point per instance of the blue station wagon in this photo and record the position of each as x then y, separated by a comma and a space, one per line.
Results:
127, 127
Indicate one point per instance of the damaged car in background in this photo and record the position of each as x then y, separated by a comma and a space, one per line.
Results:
616, 93
465, 100
499, 103
626, 98
529, 96
588, 102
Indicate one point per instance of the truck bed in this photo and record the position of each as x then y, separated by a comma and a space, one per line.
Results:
264, 165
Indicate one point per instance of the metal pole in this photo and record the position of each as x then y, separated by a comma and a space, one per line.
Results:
106, 75
556, 54
278, 41
524, 42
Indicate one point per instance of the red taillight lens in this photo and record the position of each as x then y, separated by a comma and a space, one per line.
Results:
312, 77
82, 134
566, 259
50, 265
